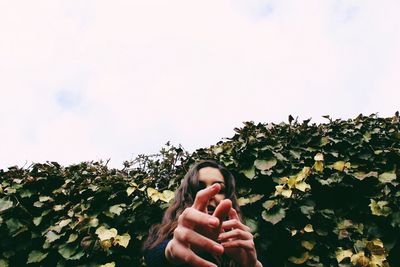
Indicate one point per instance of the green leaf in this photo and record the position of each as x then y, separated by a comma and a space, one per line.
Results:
249, 173
67, 251
274, 217
263, 164
110, 264
14, 226
3, 263
72, 238
51, 236
37, 220
5, 204
36, 256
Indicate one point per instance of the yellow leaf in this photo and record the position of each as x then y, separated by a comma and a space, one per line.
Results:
300, 260
123, 240
106, 234
339, 165
130, 190
286, 193
278, 189
363, 175
309, 245
303, 186
292, 181
359, 259
319, 157
283, 180
105, 244
167, 196
153, 194
387, 177
319, 166
342, 254
308, 228
251, 199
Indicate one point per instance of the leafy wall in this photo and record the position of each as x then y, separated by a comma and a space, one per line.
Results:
314, 195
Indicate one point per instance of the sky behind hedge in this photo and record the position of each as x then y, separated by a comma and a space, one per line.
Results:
89, 80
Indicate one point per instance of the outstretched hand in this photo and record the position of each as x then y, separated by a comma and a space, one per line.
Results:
238, 241
198, 231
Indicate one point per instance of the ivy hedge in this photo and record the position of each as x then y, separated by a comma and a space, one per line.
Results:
314, 195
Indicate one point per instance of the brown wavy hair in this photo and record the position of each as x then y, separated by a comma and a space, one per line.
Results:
184, 198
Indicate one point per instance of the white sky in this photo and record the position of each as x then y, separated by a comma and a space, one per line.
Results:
90, 80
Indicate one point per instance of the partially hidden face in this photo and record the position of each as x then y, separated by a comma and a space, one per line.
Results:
207, 177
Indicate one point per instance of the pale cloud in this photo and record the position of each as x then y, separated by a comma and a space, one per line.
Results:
89, 80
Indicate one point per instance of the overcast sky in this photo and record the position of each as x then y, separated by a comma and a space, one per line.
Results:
90, 80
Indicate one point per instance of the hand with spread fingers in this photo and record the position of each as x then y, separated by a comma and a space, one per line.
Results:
238, 241
202, 228
197, 231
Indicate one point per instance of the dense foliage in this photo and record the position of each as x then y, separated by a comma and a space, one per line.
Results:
314, 195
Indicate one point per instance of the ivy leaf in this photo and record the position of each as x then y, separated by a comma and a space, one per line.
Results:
300, 260
379, 208
106, 234
309, 245
274, 217
387, 177
122, 240
67, 251
167, 196
251, 199
263, 164
130, 190
45, 199
343, 254
110, 264
37, 220
36, 256
319, 157
5, 204
3, 263
362, 175
269, 204
303, 186
116, 209
51, 236
249, 173
153, 194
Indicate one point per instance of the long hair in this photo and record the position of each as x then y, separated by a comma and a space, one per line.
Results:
184, 198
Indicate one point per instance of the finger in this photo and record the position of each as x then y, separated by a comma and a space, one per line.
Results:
203, 196
235, 234
234, 224
233, 214
222, 210
239, 243
190, 237
191, 217
185, 255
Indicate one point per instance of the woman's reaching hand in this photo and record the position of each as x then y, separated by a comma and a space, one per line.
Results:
238, 241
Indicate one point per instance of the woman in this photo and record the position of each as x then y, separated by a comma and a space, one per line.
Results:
202, 227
